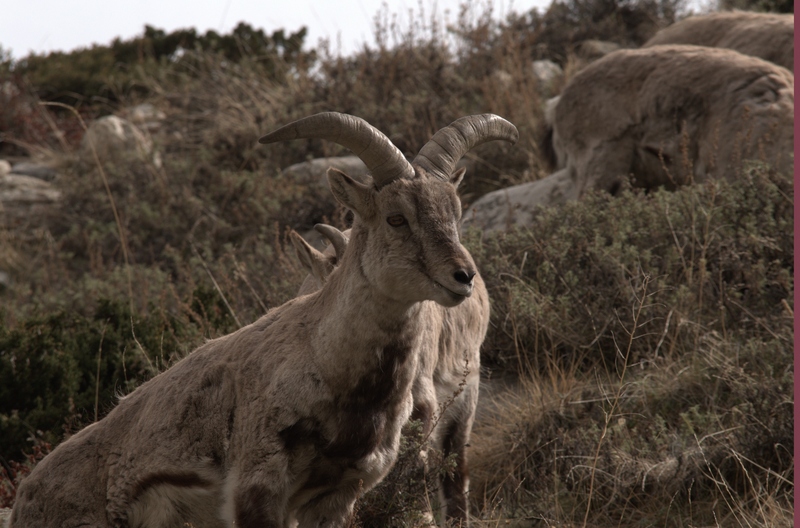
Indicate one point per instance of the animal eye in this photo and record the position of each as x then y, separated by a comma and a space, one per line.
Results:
396, 220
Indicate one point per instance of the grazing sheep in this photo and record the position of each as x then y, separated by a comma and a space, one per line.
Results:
769, 36
449, 368
285, 421
667, 115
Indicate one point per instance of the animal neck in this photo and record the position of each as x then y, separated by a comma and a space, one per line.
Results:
362, 328
361, 312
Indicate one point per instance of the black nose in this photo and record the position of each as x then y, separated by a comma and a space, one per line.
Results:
464, 276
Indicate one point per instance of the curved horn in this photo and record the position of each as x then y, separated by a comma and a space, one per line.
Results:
440, 155
338, 239
385, 162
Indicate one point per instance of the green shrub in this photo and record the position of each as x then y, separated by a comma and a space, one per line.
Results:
718, 256
653, 336
62, 371
638, 333
774, 6
107, 72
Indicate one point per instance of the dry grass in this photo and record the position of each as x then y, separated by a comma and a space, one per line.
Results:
647, 339
656, 385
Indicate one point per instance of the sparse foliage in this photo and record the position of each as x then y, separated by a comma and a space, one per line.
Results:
667, 405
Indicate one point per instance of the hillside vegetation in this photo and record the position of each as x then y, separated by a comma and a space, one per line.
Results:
638, 369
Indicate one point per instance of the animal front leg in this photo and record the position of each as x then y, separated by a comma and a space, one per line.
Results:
455, 484
331, 510
257, 496
257, 506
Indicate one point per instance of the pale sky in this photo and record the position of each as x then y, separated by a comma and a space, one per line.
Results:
48, 25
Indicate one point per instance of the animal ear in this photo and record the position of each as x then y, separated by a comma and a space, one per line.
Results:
351, 194
311, 259
458, 176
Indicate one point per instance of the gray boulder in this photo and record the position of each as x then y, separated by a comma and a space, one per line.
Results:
42, 171
116, 139
547, 73
519, 204
313, 172
19, 190
21, 196
146, 116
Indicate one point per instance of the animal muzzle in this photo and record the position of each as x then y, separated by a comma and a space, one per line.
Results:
464, 276
460, 278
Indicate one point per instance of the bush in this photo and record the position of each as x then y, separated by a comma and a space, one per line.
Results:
774, 6
717, 256
555, 33
107, 72
12, 473
646, 338
653, 337
62, 371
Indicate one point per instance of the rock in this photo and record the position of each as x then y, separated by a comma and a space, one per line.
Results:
5, 167
592, 49
616, 119
23, 197
18, 189
313, 172
41, 171
517, 205
146, 116
769, 36
503, 79
116, 139
550, 110
546, 73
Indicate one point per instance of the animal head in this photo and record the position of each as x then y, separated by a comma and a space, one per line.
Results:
319, 264
405, 229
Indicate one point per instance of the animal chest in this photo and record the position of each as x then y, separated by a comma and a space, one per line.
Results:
356, 433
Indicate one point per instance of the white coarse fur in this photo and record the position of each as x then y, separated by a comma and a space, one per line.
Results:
769, 36
655, 117
287, 420
446, 386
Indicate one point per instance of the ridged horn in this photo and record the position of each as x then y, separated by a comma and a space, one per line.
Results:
439, 155
338, 239
385, 161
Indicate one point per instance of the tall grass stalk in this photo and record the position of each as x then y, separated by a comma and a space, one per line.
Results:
123, 242
615, 399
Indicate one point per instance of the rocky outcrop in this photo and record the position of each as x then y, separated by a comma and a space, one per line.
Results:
145, 116
21, 196
517, 205
115, 139
547, 73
